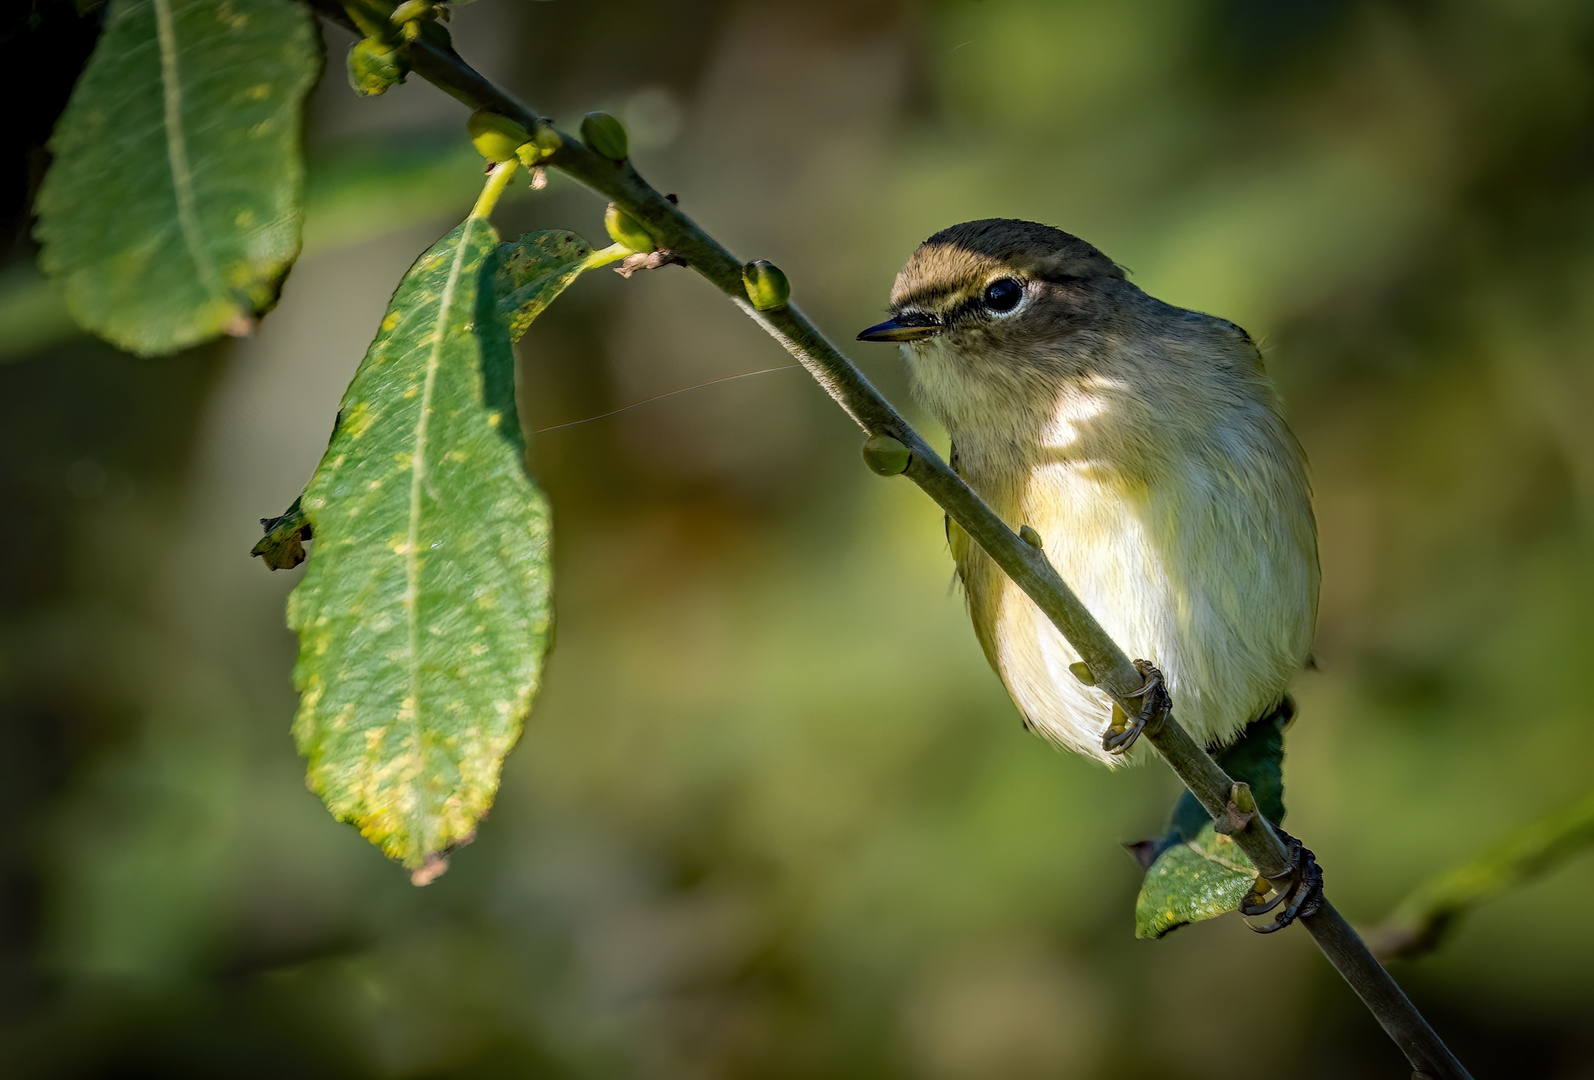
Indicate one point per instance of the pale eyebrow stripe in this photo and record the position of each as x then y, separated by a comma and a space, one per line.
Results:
925, 299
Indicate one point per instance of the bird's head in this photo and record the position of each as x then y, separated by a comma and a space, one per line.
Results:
995, 284
996, 316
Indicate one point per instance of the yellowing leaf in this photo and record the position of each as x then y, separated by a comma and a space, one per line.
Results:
426, 610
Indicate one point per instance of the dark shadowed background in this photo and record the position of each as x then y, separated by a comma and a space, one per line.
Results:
773, 816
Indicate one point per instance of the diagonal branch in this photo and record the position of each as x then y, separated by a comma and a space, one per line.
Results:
1026, 565
1431, 912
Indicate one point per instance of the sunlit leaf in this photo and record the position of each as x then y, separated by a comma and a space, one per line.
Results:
1191, 880
535, 270
171, 212
1194, 873
426, 610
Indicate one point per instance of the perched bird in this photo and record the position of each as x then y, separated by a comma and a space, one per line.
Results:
1146, 446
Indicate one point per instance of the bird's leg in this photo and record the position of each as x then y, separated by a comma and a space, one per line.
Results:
1299, 887
1155, 704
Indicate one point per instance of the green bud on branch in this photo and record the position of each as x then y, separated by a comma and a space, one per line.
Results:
886, 455
604, 134
495, 137
1081, 671
1030, 537
627, 230
429, 30
375, 66
766, 286
410, 10
1239, 812
544, 142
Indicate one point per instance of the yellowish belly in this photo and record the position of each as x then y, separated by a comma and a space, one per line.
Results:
1214, 588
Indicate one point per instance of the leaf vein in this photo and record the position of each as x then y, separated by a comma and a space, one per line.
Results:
177, 151
418, 483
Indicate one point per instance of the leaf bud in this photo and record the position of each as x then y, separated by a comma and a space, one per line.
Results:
766, 286
1239, 811
604, 134
1081, 671
410, 10
886, 455
429, 30
627, 230
374, 66
496, 137
544, 141
1030, 537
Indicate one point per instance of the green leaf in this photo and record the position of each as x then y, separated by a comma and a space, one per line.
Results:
1256, 758
172, 210
535, 270
426, 610
353, 192
1191, 880
1194, 873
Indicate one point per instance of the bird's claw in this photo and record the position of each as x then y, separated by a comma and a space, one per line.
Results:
1155, 705
1299, 887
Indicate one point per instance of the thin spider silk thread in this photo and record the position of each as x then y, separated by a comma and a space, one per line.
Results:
668, 393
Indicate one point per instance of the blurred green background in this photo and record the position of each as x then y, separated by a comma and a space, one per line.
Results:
773, 817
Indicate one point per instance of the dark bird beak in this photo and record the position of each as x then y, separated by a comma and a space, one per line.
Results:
909, 326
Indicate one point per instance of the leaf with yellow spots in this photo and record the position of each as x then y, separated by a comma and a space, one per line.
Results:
1194, 873
535, 270
426, 610
1194, 879
171, 212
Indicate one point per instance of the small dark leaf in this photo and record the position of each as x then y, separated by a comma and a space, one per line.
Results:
282, 548
1256, 758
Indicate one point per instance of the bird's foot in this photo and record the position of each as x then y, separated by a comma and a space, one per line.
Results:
1299, 888
1155, 705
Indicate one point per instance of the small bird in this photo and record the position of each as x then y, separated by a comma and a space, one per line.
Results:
1147, 447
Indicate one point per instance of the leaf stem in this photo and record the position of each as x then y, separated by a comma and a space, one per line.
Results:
498, 178
1026, 565
604, 256
181, 169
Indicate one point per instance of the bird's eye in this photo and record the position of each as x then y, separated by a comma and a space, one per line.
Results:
1003, 294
